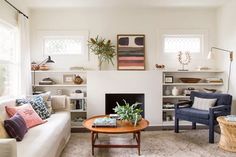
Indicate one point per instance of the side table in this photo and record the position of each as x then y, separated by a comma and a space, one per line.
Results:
228, 134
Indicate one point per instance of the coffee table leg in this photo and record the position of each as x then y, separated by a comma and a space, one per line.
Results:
139, 142
92, 140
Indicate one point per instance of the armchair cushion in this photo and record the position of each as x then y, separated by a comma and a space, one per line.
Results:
192, 112
203, 104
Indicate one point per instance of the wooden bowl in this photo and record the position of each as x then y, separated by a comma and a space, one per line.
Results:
189, 80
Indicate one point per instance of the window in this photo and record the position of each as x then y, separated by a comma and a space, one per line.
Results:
9, 63
175, 43
63, 45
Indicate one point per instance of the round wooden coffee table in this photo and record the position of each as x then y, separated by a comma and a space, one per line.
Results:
228, 134
122, 128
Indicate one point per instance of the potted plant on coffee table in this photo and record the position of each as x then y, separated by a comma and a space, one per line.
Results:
103, 48
131, 113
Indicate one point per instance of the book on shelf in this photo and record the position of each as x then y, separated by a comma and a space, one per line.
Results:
104, 122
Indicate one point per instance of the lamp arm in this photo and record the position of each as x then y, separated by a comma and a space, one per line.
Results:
42, 62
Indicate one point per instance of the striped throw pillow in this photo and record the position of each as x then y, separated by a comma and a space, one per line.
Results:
16, 127
203, 104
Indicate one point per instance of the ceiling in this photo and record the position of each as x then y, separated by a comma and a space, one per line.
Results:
123, 3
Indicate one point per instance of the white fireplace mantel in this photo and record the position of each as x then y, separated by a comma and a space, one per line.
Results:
148, 82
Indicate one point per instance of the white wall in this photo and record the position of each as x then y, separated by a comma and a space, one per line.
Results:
227, 39
108, 22
147, 82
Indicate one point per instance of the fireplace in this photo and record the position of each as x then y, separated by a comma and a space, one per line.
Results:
131, 98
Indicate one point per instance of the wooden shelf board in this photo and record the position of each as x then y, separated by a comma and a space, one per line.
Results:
61, 85
193, 84
71, 98
180, 96
59, 71
194, 71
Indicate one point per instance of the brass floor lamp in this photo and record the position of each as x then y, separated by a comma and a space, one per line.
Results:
210, 56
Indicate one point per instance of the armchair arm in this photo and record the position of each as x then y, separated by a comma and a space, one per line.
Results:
219, 108
185, 104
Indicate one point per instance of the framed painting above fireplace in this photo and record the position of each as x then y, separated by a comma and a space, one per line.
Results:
131, 52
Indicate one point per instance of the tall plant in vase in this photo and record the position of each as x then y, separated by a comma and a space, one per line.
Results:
103, 48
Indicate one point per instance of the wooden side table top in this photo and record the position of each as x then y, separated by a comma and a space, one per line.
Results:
122, 126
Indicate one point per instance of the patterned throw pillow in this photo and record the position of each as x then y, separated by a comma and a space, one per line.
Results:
16, 127
27, 112
38, 105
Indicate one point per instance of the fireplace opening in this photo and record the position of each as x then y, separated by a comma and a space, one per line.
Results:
131, 98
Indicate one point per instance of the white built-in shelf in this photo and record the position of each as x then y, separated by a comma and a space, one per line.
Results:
73, 98
194, 71
59, 71
61, 85
193, 84
175, 97
168, 109
80, 111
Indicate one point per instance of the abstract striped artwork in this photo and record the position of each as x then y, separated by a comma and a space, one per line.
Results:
131, 52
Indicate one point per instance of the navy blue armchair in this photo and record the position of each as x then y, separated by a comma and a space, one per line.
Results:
184, 111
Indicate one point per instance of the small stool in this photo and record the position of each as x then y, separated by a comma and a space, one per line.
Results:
228, 134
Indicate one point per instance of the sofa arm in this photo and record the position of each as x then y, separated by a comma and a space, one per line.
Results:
8, 147
60, 102
185, 104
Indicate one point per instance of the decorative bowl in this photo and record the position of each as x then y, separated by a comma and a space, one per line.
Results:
189, 80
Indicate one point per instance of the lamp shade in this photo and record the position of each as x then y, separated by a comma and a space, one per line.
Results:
49, 60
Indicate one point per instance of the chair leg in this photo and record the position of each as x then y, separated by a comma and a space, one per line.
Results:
176, 125
211, 133
194, 125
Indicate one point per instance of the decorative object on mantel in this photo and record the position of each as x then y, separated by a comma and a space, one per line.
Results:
175, 91
78, 79
184, 59
68, 79
160, 66
210, 56
189, 80
47, 81
131, 52
207, 90
105, 50
131, 113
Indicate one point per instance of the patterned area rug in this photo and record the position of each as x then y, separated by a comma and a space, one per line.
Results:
189, 143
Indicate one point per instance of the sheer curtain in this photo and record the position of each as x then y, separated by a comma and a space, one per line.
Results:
25, 71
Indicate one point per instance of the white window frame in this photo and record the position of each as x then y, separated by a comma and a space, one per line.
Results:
14, 80
199, 36
65, 34
200, 32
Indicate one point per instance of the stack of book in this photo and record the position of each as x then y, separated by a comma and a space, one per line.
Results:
104, 122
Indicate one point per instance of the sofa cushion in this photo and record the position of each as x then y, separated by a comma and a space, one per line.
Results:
45, 139
203, 104
37, 104
192, 112
27, 112
16, 127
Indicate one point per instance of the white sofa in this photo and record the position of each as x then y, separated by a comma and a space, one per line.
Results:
45, 140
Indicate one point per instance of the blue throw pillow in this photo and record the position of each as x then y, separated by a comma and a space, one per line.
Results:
38, 105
